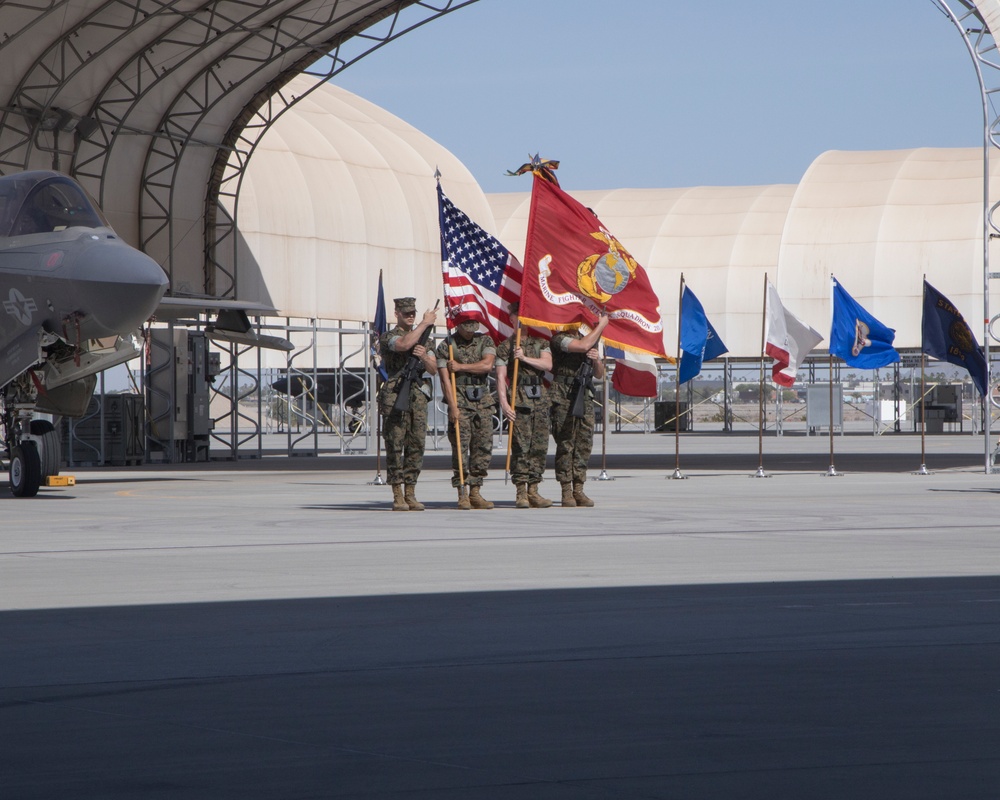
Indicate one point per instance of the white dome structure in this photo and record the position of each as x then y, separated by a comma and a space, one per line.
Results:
337, 190
878, 221
341, 188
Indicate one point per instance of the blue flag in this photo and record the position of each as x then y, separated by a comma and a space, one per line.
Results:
699, 341
947, 336
379, 326
856, 336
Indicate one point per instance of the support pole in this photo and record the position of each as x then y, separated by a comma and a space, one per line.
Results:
923, 420
677, 388
378, 480
604, 425
832, 471
458, 422
513, 401
760, 391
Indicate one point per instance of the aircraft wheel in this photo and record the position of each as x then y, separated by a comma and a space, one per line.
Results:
49, 446
25, 470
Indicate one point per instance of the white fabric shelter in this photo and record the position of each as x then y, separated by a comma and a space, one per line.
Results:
878, 221
339, 189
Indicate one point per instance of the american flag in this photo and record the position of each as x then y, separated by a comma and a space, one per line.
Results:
482, 278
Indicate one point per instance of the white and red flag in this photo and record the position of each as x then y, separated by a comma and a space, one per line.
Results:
482, 279
787, 339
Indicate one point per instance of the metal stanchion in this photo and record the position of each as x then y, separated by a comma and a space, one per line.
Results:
604, 428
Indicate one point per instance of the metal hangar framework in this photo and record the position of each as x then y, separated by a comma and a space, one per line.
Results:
157, 106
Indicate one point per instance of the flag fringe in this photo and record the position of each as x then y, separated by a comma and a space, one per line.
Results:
630, 348
572, 326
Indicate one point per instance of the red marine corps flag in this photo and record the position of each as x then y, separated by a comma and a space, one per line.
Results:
574, 268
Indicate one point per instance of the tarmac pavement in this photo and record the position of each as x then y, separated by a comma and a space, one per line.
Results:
269, 629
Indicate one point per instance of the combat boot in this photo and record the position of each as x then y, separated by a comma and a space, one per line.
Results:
568, 501
535, 500
522, 496
463, 499
476, 500
411, 498
398, 500
580, 497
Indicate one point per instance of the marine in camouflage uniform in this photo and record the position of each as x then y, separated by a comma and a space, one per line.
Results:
574, 436
471, 361
528, 414
405, 432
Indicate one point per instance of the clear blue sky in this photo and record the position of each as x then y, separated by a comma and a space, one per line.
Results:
662, 93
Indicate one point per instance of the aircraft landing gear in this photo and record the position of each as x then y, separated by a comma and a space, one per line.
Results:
25, 470
23, 437
49, 447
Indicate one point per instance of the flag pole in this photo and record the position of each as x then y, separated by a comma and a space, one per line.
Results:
923, 404
923, 417
458, 423
832, 471
604, 422
677, 388
378, 480
760, 390
513, 398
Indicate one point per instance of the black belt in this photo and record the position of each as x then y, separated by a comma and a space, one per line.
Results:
469, 382
564, 378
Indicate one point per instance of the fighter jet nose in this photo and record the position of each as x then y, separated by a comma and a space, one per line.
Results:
121, 286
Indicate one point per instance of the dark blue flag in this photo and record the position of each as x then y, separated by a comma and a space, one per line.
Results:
856, 336
379, 326
699, 341
947, 336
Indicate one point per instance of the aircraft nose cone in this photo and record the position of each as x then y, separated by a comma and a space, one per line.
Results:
119, 286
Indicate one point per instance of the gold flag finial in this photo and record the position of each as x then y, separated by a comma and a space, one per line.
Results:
542, 167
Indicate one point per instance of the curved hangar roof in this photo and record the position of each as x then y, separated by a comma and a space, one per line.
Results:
878, 221
148, 101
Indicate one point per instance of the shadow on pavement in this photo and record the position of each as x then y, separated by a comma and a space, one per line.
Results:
822, 690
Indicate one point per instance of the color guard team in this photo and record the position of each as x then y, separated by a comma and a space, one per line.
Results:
467, 358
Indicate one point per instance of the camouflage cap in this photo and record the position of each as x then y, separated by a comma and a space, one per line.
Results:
405, 304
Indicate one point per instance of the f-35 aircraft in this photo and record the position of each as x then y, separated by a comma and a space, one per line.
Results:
74, 297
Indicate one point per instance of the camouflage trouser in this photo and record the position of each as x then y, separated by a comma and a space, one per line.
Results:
574, 436
405, 434
476, 426
530, 443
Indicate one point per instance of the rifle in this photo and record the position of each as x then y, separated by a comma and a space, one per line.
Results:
581, 381
413, 370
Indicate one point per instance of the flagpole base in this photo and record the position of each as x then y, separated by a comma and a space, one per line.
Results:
604, 476
677, 476
832, 473
923, 470
379, 481
760, 473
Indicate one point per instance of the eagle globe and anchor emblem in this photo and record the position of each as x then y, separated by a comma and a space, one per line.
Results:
603, 275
